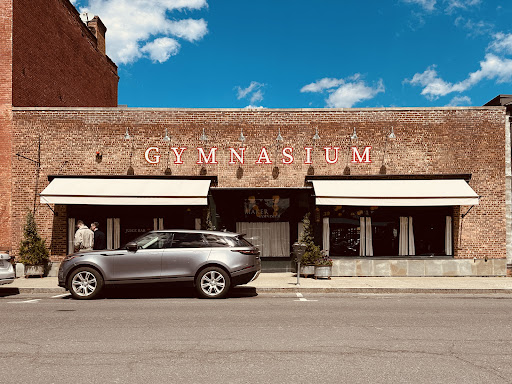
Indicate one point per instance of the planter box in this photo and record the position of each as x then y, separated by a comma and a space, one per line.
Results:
307, 270
323, 271
34, 270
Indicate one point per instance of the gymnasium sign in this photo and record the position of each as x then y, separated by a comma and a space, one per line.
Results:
288, 155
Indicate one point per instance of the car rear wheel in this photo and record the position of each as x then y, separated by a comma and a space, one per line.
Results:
212, 283
85, 283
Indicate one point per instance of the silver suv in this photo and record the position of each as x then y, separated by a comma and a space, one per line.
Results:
6, 269
213, 261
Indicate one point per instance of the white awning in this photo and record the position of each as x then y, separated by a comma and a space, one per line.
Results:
394, 193
121, 191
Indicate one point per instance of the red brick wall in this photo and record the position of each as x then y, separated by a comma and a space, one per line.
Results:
5, 121
55, 59
429, 141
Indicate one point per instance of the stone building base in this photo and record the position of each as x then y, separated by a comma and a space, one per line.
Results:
424, 267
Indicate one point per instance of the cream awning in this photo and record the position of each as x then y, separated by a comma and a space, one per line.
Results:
394, 193
121, 191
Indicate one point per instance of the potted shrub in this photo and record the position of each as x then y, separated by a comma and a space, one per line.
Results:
313, 252
33, 252
323, 267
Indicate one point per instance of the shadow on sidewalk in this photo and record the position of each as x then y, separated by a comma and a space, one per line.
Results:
166, 291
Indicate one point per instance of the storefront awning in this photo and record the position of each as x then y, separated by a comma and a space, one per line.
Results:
124, 191
394, 193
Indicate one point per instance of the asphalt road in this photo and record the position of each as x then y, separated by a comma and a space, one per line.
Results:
155, 337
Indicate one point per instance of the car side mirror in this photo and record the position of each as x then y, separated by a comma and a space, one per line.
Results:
132, 247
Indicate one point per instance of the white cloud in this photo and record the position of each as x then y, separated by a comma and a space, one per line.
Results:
459, 101
502, 43
474, 27
135, 27
428, 5
344, 93
453, 5
161, 49
188, 29
322, 84
253, 92
491, 68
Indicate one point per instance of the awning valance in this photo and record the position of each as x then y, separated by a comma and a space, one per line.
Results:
126, 191
394, 193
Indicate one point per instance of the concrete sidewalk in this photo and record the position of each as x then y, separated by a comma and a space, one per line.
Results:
286, 282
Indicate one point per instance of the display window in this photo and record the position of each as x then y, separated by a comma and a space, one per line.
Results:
389, 231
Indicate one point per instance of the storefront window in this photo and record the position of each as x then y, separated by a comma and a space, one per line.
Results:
395, 231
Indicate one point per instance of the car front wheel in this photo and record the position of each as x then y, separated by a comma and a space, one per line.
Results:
85, 283
212, 283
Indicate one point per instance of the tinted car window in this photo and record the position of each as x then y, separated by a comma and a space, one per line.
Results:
237, 242
188, 240
154, 241
216, 241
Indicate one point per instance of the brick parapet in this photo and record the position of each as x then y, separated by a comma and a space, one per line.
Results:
429, 141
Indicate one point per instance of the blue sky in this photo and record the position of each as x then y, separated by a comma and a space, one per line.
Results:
307, 54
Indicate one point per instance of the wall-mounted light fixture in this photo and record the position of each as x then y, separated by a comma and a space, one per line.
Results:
392, 135
99, 157
242, 137
203, 137
127, 135
353, 137
317, 136
279, 138
166, 137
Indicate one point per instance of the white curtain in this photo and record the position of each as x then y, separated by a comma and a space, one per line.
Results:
362, 236
158, 223
71, 235
300, 230
448, 240
326, 234
110, 233
273, 239
402, 238
406, 245
369, 238
412, 248
117, 232
365, 236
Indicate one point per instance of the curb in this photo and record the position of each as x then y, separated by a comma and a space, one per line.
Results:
468, 291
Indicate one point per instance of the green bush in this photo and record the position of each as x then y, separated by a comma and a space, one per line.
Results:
313, 252
33, 250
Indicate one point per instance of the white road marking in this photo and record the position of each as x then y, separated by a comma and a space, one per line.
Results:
302, 298
26, 301
64, 294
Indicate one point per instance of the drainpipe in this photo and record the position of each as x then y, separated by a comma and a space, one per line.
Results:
508, 188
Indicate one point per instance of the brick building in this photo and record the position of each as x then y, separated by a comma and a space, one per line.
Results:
390, 191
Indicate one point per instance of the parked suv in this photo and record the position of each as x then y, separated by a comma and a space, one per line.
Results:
6, 269
212, 261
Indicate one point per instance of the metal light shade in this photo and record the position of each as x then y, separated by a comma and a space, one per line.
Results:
279, 138
354, 135
203, 136
127, 135
242, 137
317, 136
392, 134
166, 137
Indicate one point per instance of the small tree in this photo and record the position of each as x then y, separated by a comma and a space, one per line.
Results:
313, 252
33, 250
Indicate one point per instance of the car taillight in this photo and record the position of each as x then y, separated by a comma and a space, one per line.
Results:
253, 252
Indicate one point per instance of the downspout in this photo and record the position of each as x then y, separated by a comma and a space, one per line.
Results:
508, 189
